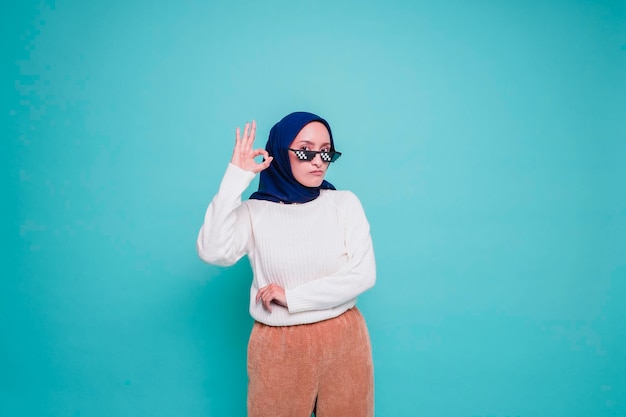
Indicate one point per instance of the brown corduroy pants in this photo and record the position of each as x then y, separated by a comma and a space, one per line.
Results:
324, 366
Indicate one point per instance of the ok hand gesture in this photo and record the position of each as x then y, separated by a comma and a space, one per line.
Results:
243, 154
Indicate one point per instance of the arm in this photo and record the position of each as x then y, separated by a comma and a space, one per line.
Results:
223, 237
355, 277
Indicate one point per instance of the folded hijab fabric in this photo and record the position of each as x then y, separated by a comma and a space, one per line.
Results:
277, 183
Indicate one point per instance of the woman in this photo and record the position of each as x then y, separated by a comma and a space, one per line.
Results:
311, 253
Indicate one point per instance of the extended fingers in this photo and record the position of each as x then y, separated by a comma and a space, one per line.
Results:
249, 133
252, 132
244, 138
237, 136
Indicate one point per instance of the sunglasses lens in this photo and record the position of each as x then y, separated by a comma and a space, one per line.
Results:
303, 155
330, 156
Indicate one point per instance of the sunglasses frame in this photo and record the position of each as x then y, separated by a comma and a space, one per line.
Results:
306, 155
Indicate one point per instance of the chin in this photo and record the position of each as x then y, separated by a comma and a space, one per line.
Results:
313, 184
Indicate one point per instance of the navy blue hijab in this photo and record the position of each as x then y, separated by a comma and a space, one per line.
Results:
277, 183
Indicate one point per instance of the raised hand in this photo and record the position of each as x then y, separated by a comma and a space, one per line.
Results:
243, 154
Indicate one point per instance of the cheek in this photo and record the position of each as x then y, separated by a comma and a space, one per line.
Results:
298, 172
293, 166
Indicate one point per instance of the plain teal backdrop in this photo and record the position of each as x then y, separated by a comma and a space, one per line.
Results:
486, 140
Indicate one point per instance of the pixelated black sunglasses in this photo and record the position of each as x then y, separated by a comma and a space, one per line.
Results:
327, 156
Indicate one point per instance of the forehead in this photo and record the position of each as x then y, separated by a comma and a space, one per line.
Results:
314, 133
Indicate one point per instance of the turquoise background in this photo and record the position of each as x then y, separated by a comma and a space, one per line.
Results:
485, 139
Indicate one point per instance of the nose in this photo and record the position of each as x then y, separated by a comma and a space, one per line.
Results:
317, 160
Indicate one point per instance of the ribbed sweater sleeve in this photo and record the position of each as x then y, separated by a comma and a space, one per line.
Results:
355, 277
224, 235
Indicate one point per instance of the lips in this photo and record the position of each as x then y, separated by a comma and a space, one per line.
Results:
318, 173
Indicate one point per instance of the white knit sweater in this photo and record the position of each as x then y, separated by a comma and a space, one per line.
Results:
320, 252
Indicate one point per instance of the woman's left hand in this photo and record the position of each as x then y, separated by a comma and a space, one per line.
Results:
271, 293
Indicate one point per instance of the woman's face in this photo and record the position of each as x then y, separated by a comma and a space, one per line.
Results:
313, 137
